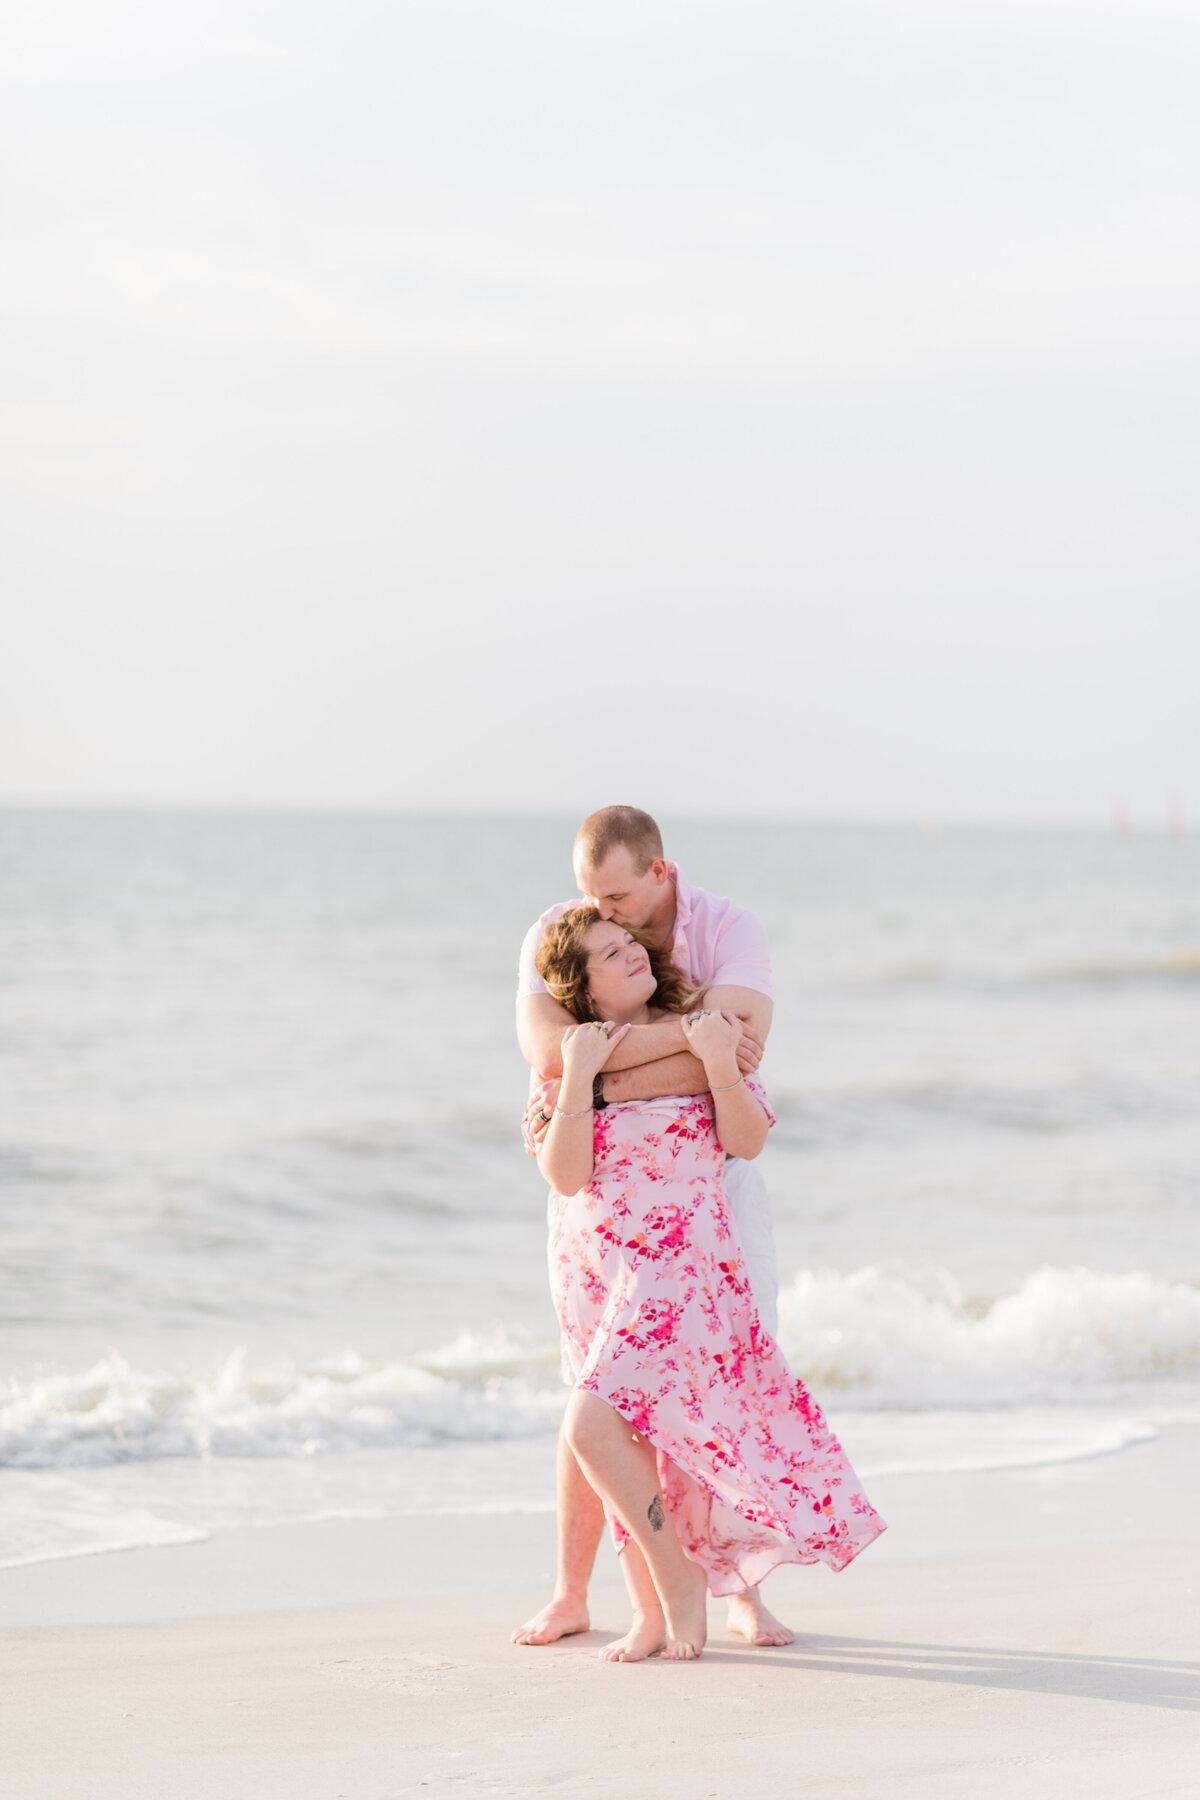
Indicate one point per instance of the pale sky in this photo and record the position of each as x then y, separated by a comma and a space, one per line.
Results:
730, 407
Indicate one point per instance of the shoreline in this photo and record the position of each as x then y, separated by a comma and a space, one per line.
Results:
1021, 1631
245, 1569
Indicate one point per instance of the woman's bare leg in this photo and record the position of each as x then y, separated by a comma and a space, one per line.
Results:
621, 1467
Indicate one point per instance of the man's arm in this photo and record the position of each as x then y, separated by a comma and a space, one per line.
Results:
541, 1022
755, 1010
683, 1073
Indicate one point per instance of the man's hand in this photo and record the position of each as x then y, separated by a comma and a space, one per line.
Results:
540, 1110
750, 1046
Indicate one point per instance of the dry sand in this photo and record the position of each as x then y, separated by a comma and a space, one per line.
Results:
1025, 1632
1030, 1671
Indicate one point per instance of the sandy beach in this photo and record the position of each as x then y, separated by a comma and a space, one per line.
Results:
1037, 1672
1033, 1656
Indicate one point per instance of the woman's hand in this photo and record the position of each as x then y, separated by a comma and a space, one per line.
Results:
586, 1049
714, 1037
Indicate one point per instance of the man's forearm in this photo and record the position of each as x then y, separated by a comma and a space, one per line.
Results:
648, 1044
679, 1074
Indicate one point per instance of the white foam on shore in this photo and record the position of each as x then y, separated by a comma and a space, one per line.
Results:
879, 1340
863, 1340
954, 1442
45, 1517
111, 1413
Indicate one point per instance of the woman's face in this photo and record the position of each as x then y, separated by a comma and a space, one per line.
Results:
619, 978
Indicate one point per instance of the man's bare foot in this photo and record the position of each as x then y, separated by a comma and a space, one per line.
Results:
749, 1618
559, 1619
687, 1618
645, 1637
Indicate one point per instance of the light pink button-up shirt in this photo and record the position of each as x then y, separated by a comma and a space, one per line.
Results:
717, 944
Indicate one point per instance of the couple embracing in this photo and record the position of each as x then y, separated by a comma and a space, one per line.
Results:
643, 1013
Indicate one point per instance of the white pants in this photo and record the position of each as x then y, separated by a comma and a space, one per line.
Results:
750, 1210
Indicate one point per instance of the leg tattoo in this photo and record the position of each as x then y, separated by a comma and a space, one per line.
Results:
654, 1512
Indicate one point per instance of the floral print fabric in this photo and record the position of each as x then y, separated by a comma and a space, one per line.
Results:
658, 1319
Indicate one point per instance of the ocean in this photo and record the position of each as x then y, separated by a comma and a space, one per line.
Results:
272, 1249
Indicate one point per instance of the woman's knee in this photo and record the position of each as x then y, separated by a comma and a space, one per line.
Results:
588, 1426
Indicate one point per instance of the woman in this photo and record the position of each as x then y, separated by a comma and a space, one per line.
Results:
729, 1468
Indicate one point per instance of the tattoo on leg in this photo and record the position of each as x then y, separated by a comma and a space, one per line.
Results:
654, 1512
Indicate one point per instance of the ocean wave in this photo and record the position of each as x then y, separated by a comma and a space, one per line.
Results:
46, 1518
862, 1340
1182, 966
897, 1110
881, 1340
112, 1413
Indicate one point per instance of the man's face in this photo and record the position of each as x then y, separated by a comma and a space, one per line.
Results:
620, 893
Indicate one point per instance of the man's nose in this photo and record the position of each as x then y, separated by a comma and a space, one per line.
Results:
604, 909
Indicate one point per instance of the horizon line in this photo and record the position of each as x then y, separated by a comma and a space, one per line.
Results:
1119, 818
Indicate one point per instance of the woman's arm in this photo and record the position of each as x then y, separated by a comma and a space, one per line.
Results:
741, 1122
566, 1155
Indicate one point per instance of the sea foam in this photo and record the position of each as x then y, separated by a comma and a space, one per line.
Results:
862, 1340
881, 1340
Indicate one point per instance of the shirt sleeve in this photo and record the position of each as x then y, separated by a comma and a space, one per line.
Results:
743, 958
755, 1087
528, 979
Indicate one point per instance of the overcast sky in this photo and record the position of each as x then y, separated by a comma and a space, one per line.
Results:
732, 406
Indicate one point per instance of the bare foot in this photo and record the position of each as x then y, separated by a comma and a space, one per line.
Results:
559, 1619
645, 1637
749, 1618
687, 1618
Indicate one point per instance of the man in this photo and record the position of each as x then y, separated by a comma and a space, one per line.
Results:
619, 866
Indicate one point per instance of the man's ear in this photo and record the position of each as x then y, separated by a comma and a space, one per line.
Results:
658, 869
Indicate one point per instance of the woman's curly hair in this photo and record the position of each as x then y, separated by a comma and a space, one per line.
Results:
561, 962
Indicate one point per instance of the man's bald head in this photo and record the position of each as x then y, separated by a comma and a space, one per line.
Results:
613, 827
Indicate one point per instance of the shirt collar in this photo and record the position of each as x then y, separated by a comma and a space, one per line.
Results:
683, 895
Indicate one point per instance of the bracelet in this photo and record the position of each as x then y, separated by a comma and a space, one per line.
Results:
579, 1115
728, 1086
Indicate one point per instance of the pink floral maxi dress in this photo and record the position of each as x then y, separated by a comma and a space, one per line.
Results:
658, 1319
